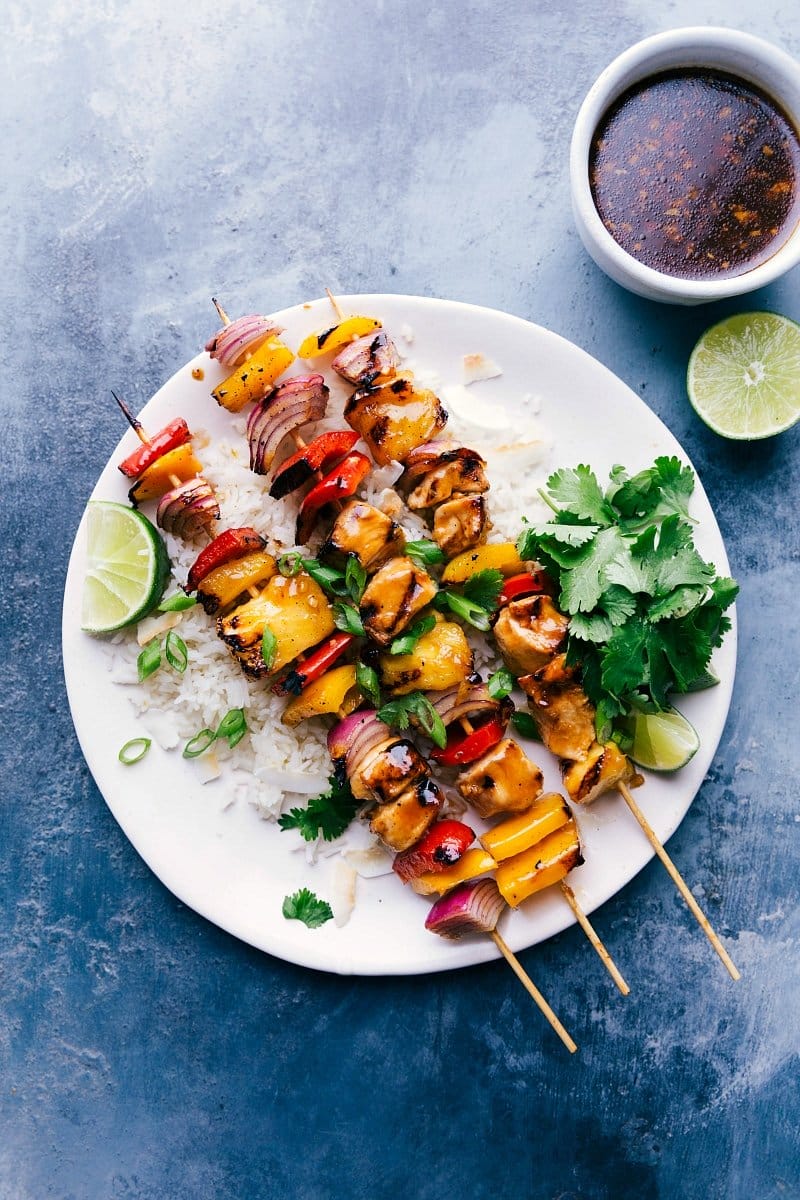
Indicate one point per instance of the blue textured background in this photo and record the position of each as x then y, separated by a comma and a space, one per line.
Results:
152, 154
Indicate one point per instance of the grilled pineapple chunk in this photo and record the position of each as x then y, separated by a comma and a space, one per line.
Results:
441, 659
296, 612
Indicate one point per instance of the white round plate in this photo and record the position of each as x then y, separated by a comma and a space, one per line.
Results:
233, 867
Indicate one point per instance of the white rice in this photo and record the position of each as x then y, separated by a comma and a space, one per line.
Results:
275, 767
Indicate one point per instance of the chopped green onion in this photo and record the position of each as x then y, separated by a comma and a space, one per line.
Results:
134, 750
368, 683
176, 652
355, 578
291, 563
348, 619
269, 647
405, 642
177, 603
328, 578
525, 725
199, 743
432, 723
232, 727
149, 660
474, 614
501, 684
424, 553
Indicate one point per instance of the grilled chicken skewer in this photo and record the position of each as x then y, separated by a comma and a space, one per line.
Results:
525, 631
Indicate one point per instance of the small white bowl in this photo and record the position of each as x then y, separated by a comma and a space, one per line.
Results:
752, 59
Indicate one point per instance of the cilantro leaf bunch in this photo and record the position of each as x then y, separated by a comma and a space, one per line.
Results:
326, 816
646, 611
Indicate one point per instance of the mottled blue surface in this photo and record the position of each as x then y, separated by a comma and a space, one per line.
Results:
152, 154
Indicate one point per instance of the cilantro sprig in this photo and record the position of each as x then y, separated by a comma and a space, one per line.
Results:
326, 816
417, 707
646, 611
304, 906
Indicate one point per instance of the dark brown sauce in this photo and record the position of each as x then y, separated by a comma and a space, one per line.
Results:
697, 174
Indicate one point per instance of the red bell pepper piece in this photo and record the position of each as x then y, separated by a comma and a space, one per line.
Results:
171, 436
442, 846
320, 455
231, 544
524, 585
340, 483
316, 664
470, 746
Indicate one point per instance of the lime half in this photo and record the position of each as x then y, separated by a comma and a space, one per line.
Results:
127, 567
662, 741
744, 375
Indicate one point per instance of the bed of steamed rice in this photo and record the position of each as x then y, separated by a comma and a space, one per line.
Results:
274, 766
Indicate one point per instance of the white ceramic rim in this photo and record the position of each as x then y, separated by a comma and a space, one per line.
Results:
752, 59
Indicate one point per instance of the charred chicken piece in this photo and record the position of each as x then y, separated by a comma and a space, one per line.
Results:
391, 770
503, 781
460, 524
394, 417
367, 358
434, 475
529, 632
560, 708
603, 767
365, 532
393, 597
401, 823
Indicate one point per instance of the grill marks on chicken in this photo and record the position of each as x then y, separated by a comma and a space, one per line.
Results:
394, 417
600, 770
454, 471
529, 632
366, 533
504, 780
393, 597
460, 524
561, 708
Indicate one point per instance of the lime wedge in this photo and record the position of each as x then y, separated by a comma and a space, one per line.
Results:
744, 375
662, 741
127, 567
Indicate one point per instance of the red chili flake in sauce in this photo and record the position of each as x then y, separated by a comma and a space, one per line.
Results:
695, 173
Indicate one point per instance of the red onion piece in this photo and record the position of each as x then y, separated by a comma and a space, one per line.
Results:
354, 737
366, 358
473, 907
232, 344
188, 509
340, 737
292, 404
459, 701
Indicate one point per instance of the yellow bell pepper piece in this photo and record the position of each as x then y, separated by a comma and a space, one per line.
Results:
254, 378
333, 692
539, 866
441, 659
519, 833
472, 863
179, 463
337, 336
225, 584
497, 556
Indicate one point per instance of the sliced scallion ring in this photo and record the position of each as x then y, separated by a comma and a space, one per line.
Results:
149, 660
176, 653
134, 750
177, 603
291, 563
232, 727
199, 743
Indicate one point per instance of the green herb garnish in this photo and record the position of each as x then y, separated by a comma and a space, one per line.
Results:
404, 643
476, 602
398, 713
177, 602
175, 652
269, 647
424, 553
525, 725
149, 660
355, 579
232, 727
368, 683
134, 750
347, 618
501, 684
199, 743
326, 816
304, 906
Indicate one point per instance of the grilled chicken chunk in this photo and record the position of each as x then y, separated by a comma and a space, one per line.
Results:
394, 768
460, 524
457, 470
504, 780
394, 418
403, 822
529, 632
560, 708
393, 597
365, 532
603, 767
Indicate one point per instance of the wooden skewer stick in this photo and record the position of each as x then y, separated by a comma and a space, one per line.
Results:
531, 988
334, 303
679, 881
589, 930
